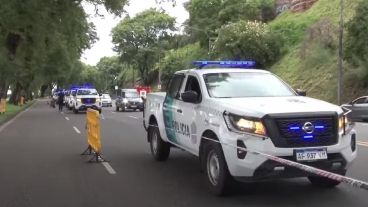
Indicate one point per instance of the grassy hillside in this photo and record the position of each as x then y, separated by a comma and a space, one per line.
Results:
310, 60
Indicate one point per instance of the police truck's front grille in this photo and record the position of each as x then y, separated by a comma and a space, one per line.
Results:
299, 131
88, 100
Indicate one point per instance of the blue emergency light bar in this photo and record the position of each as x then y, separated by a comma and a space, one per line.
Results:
84, 86
226, 64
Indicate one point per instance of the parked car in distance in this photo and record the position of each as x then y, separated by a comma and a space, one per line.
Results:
359, 109
106, 100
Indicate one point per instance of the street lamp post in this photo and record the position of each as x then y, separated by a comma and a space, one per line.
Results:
340, 67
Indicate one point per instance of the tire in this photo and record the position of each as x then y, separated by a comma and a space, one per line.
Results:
123, 109
160, 149
100, 111
117, 108
75, 111
324, 182
218, 178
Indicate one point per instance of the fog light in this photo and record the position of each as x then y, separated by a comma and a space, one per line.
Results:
279, 168
336, 165
353, 142
241, 153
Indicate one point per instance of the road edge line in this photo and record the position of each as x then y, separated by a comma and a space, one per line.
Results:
109, 168
8, 121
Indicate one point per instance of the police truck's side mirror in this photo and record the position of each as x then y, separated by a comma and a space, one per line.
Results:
190, 96
301, 92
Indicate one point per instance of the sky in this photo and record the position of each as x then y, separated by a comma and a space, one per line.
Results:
104, 25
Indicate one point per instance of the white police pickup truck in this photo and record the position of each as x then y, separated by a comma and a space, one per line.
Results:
211, 112
85, 98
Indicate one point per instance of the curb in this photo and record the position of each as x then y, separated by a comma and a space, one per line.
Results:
2, 122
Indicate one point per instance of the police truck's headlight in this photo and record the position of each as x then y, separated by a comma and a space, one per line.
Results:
125, 100
242, 124
344, 125
79, 100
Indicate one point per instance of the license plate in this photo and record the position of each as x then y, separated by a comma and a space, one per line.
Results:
134, 106
311, 154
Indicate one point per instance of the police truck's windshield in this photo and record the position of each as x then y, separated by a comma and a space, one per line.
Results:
237, 85
87, 92
131, 95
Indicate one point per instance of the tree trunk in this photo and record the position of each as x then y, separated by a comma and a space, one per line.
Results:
14, 98
43, 90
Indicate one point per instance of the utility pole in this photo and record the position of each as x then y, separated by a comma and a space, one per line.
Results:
340, 67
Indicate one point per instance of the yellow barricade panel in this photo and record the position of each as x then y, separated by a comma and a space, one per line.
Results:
93, 130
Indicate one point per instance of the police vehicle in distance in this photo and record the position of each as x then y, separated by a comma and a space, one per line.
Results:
214, 113
86, 97
129, 100
69, 98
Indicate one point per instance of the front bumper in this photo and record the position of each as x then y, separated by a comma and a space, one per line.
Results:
257, 167
134, 106
106, 103
84, 107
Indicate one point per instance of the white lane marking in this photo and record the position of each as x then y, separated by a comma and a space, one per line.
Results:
133, 117
67, 118
364, 144
109, 168
13, 119
76, 129
102, 117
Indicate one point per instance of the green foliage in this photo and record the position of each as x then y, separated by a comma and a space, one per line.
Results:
248, 40
207, 16
292, 26
357, 42
180, 59
311, 59
41, 41
140, 40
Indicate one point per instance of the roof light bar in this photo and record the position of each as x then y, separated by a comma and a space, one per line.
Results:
226, 64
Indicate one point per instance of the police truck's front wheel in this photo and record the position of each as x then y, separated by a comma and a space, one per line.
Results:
160, 149
214, 164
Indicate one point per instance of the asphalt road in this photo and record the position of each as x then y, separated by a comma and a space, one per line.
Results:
40, 165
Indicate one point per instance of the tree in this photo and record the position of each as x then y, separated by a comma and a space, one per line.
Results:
110, 69
42, 41
248, 40
357, 39
207, 16
180, 59
140, 41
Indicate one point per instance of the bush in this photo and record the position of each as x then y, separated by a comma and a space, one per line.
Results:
180, 59
248, 40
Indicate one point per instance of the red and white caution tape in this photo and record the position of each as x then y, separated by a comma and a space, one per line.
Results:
333, 176
306, 168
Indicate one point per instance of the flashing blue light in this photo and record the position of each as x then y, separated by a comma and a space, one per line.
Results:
226, 64
294, 128
308, 137
319, 127
84, 86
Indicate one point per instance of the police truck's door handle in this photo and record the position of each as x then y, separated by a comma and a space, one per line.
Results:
179, 111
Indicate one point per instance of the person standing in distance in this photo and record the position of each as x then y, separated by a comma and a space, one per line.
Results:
61, 100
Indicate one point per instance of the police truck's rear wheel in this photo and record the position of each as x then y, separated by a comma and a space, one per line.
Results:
160, 149
117, 108
214, 164
324, 182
